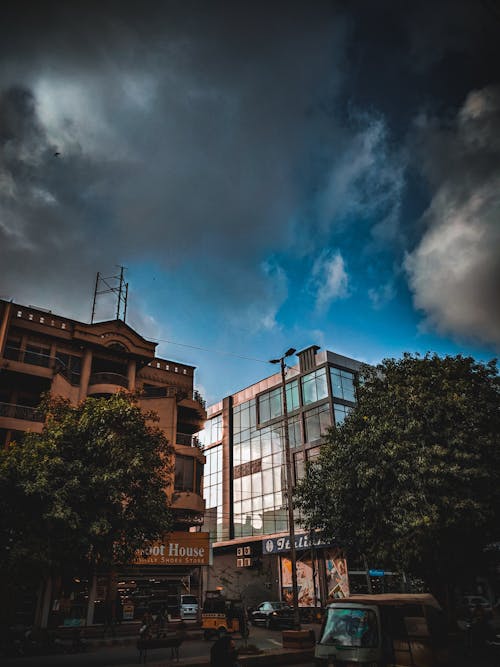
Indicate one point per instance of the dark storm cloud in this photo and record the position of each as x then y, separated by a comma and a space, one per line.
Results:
181, 131
194, 135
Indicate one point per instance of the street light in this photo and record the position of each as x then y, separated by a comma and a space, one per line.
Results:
289, 486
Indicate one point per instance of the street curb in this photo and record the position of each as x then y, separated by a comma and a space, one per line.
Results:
273, 656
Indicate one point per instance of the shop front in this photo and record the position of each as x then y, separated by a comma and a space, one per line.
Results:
321, 569
160, 574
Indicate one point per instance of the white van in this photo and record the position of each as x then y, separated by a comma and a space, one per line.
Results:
189, 607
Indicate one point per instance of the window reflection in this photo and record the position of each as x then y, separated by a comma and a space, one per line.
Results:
316, 422
314, 386
343, 384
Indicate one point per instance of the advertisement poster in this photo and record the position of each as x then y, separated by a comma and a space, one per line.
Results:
337, 580
305, 582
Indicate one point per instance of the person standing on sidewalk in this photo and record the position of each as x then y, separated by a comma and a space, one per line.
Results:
223, 653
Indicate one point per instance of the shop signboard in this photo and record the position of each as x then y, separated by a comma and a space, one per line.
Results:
177, 548
274, 545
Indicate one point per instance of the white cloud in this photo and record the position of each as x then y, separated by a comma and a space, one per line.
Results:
329, 279
381, 296
454, 272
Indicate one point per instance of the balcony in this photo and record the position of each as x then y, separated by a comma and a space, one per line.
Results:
14, 411
187, 440
27, 357
108, 378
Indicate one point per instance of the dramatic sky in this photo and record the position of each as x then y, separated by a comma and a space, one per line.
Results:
271, 174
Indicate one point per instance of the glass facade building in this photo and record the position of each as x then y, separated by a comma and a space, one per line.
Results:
245, 472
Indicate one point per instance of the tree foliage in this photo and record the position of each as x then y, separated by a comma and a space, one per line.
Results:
412, 478
89, 489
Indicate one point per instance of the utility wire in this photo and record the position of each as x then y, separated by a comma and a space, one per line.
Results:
204, 349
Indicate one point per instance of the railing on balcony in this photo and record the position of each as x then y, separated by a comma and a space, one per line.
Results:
44, 360
108, 378
159, 392
27, 357
188, 440
21, 412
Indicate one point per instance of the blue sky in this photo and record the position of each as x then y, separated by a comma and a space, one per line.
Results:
328, 174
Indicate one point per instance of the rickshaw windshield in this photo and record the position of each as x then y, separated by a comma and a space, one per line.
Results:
350, 627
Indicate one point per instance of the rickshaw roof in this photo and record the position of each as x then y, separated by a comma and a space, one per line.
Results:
389, 599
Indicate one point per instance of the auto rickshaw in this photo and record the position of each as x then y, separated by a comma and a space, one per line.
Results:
388, 630
222, 614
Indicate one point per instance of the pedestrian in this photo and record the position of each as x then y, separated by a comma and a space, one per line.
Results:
118, 610
146, 629
160, 623
479, 627
223, 652
108, 618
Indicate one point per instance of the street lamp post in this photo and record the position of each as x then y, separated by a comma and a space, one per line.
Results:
289, 487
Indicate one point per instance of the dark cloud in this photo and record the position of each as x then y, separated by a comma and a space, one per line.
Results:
195, 136
180, 129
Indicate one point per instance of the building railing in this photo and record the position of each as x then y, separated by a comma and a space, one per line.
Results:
28, 357
159, 392
43, 360
108, 378
21, 412
188, 440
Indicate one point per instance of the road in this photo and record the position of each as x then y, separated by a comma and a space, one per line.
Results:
126, 655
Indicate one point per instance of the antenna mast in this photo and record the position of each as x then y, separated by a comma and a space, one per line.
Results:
112, 284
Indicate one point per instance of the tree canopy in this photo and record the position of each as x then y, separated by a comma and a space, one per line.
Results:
89, 489
412, 478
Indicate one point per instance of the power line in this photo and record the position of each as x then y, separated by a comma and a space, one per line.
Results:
204, 349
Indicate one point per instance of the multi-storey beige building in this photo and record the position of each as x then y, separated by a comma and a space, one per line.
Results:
40, 352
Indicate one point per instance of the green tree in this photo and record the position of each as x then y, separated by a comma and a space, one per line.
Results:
89, 490
412, 478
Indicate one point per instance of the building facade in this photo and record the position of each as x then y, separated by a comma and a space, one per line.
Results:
44, 352
245, 480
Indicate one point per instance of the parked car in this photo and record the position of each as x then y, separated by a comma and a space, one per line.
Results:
189, 607
273, 615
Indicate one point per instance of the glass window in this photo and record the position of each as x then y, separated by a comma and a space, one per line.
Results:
245, 452
341, 412
299, 466
212, 431
270, 405
184, 473
314, 386
292, 395
294, 431
316, 422
268, 499
350, 627
275, 402
343, 384
265, 442
237, 489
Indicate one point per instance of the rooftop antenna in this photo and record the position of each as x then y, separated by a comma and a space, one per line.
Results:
112, 284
